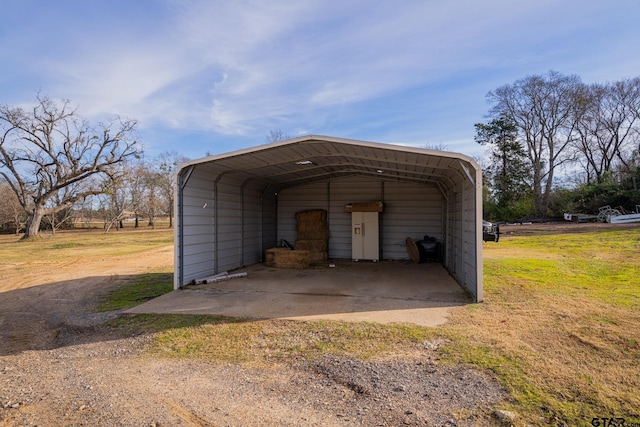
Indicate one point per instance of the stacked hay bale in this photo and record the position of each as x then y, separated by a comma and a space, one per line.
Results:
313, 234
286, 258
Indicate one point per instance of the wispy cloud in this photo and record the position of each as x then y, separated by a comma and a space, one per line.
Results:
387, 70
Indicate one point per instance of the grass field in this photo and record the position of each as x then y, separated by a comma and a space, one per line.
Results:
559, 328
82, 244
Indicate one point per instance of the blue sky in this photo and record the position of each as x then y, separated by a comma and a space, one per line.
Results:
208, 76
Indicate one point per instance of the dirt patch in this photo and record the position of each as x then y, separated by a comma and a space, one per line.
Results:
60, 365
113, 383
552, 227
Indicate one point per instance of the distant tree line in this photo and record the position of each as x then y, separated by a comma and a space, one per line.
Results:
56, 169
557, 144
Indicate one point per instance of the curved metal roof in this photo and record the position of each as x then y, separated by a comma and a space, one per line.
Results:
314, 158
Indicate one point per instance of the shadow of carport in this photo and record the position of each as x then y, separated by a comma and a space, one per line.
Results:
384, 292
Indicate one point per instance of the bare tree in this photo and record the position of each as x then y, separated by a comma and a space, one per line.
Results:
608, 128
276, 135
55, 220
436, 146
12, 215
543, 108
167, 166
135, 178
113, 204
153, 199
50, 151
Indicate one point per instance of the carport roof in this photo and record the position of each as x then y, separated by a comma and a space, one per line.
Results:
315, 158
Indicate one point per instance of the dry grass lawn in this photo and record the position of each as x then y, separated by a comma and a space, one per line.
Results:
559, 327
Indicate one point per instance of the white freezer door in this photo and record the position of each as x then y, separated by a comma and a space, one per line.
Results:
365, 236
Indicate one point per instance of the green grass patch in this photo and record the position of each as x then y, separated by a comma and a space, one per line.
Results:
65, 245
558, 327
230, 340
143, 288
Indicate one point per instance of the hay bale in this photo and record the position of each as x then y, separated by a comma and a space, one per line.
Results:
270, 256
318, 257
286, 258
312, 224
317, 250
311, 231
312, 215
311, 245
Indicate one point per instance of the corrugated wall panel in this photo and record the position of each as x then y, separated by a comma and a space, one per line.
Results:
292, 200
411, 210
251, 225
450, 241
469, 237
458, 270
228, 225
269, 220
197, 232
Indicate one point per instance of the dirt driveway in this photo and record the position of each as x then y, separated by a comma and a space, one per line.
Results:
60, 366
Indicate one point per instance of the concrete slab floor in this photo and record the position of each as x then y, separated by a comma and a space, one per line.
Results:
383, 292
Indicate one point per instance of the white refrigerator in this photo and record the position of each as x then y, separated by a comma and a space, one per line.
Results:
365, 236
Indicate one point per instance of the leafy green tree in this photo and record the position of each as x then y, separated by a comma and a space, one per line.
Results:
507, 174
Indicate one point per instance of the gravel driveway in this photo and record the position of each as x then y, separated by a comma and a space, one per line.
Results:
61, 366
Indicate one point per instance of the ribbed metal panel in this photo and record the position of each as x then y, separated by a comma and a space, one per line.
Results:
468, 225
196, 255
411, 210
292, 200
251, 224
269, 223
229, 212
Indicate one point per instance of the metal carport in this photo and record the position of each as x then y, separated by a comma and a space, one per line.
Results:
232, 207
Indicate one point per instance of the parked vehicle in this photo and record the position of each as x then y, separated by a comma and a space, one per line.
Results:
490, 231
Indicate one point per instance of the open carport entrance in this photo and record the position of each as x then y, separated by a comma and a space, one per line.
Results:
385, 292
232, 207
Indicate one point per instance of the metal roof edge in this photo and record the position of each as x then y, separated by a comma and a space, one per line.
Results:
325, 138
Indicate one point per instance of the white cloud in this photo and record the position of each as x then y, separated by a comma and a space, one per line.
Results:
241, 67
